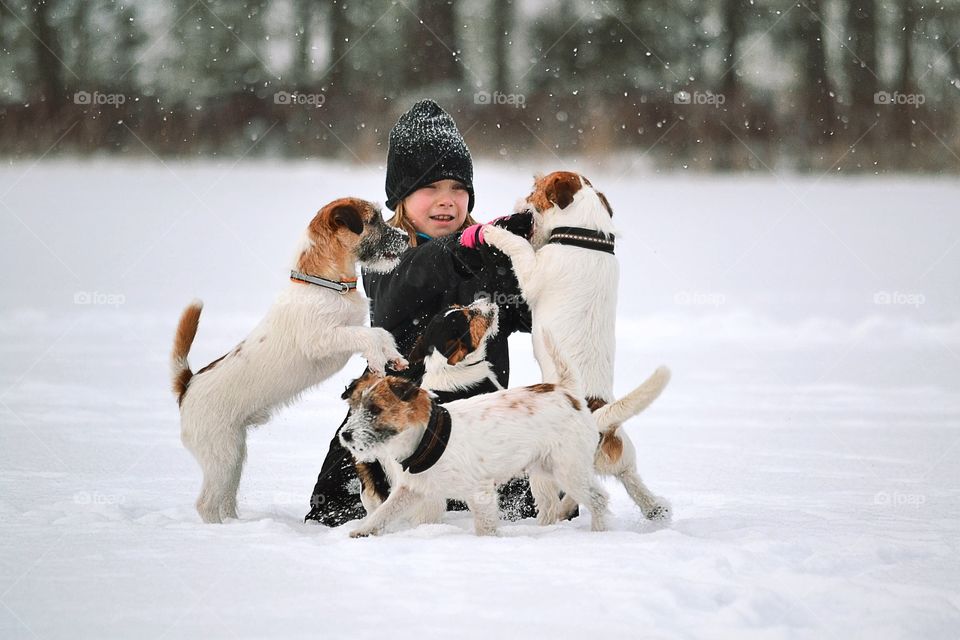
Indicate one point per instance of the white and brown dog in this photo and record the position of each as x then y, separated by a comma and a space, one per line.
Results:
466, 448
449, 361
568, 275
307, 335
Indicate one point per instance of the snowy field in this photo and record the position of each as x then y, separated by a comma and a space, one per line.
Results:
808, 441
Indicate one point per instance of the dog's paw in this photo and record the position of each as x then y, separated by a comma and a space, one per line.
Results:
493, 235
659, 513
399, 363
360, 533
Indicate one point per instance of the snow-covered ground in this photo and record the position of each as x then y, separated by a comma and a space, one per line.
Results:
808, 441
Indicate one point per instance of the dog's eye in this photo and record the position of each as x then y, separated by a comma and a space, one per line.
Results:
373, 410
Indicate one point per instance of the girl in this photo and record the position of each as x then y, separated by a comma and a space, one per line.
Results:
429, 187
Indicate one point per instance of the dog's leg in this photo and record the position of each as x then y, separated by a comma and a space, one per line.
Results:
401, 499
228, 507
653, 508
576, 476
520, 252
546, 494
597, 501
483, 505
376, 345
220, 450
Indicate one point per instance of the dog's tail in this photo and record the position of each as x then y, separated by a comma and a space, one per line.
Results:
610, 416
182, 341
567, 378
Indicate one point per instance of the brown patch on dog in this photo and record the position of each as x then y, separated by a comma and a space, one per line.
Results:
520, 403
180, 384
594, 403
182, 341
400, 403
543, 387
358, 385
611, 445
573, 401
606, 203
368, 481
478, 327
334, 233
212, 364
455, 351
555, 189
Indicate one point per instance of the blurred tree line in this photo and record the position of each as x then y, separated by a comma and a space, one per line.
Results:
816, 85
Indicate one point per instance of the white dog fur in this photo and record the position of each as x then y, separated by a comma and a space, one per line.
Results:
307, 335
572, 293
545, 431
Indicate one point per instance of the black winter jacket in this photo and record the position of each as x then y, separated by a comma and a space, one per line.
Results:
440, 272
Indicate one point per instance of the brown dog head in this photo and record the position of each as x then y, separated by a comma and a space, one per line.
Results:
346, 231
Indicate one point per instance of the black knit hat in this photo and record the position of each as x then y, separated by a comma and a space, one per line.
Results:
426, 146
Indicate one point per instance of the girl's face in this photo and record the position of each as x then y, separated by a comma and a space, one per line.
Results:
438, 209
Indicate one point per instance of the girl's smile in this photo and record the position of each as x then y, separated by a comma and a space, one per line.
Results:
438, 209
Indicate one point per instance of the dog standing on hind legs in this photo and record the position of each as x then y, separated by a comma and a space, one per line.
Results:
307, 335
568, 275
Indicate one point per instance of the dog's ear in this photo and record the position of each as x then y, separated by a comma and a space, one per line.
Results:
356, 382
606, 203
419, 351
403, 389
348, 216
561, 188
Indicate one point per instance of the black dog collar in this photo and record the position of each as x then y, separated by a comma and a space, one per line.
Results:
341, 287
433, 443
583, 238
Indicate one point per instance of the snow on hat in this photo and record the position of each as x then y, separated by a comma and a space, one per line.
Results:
426, 146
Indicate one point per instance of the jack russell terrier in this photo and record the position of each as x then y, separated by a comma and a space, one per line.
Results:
568, 275
466, 448
307, 335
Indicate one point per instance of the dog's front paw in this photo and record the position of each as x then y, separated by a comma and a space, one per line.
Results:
399, 363
376, 363
361, 533
659, 512
493, 235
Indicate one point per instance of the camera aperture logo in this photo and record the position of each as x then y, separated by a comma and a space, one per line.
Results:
716, 100
298, 99
499, 298
99, 99
899, 298
99, 299
517, 100
899, 99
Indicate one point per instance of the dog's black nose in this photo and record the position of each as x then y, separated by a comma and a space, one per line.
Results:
346, 435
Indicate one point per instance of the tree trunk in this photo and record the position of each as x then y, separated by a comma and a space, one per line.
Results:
47, 54
502, 24
862, 64
816, 88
